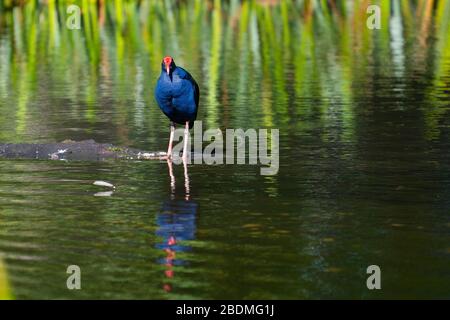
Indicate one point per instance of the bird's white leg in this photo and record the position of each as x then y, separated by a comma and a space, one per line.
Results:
172, 177
185, 146
186, 181
169, 149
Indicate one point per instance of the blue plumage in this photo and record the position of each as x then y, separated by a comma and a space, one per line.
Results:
177, 93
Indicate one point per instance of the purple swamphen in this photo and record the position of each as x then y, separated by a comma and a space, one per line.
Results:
177, 95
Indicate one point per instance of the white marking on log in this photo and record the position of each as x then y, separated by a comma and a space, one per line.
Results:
103, 184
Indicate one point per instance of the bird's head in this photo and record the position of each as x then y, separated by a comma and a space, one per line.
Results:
168, 65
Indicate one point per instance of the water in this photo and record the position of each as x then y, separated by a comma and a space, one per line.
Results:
364, 172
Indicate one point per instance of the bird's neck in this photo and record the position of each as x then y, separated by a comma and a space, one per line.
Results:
168, 77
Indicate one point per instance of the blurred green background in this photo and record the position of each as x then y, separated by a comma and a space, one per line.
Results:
277, 50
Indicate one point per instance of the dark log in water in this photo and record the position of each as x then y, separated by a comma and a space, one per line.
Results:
87, 150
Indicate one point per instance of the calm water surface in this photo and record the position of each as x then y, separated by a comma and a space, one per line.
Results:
364, 172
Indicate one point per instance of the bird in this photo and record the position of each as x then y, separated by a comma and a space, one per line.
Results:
178, 95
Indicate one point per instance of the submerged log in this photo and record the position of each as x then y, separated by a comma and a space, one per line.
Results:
87, 150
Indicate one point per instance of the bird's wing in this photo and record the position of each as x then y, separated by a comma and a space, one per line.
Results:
197, 92
183, 74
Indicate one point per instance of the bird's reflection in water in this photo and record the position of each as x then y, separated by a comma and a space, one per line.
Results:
176, 223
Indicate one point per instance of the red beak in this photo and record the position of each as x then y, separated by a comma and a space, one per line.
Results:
167, 62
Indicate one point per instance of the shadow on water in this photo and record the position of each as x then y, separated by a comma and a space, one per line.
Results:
176, 222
